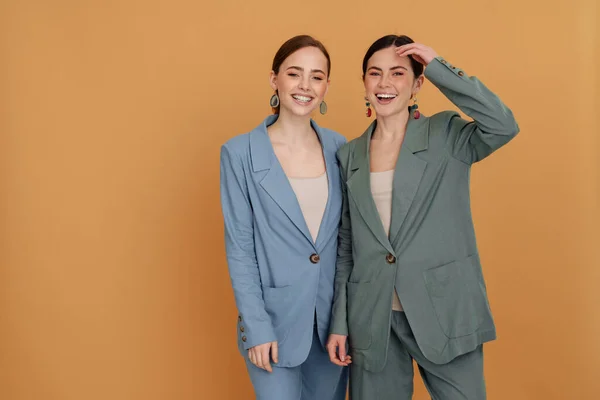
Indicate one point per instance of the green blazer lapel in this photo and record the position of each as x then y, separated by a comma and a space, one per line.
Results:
359, 187
408, 173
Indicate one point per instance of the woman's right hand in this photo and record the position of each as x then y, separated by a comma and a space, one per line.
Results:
336, 346
421, 53
261, 355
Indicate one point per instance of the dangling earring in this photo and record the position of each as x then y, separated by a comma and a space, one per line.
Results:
368, 108
323, 108
415, 109
274, 102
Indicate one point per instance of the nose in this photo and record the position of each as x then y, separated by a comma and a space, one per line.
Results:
304, 83
384, 81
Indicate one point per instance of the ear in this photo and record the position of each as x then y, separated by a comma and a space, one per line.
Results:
418, 84
273, 80
327, 88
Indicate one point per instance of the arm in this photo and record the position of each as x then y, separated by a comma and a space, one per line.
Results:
493, 123
241, 256
339, 322
344, 264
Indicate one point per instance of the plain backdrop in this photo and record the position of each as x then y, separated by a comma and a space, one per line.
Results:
113, 281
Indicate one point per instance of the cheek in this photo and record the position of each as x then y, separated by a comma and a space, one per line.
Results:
321, 88
284, 84
369, 86
403, 88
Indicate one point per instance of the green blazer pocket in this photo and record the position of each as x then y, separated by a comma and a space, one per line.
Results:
360, 313
456, 296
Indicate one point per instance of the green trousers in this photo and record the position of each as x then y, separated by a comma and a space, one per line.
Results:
460, 379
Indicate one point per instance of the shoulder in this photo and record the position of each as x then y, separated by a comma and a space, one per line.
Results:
240, 144
237, 143
237, 147
345, 151
442, 118
334, 137
442, 123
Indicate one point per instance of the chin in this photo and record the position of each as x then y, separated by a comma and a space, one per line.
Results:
300, 111
388, 112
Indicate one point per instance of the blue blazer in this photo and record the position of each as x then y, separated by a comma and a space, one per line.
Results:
282, 280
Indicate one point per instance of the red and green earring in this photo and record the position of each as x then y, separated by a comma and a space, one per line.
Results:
414, 109
369, 112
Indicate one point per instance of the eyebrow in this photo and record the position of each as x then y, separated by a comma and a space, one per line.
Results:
302, 69
391, 69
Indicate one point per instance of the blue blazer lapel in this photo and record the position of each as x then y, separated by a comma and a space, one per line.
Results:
333, 210
275, 182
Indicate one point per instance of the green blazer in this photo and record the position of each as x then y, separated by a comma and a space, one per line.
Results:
430, 256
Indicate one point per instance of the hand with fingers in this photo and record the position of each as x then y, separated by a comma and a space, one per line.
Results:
419, 52
262, 355
336, 346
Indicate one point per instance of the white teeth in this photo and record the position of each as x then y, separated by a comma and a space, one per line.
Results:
386, 96
303, 99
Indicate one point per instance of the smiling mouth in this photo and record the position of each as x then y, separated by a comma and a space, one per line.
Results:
386, 96
302, 99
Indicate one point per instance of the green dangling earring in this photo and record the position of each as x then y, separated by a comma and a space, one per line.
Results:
323, 108
274, 101
369, 112
415, 109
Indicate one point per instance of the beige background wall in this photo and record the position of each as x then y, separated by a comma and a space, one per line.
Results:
113, 283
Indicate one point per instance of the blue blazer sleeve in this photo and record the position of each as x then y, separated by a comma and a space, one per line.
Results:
241, 255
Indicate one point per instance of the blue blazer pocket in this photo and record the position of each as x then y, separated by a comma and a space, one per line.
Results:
281, 304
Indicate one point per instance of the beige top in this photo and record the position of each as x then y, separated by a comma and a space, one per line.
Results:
312, 196
382, 184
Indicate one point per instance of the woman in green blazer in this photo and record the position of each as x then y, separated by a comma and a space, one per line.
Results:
409, 284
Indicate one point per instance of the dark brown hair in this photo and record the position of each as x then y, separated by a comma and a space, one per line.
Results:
293, 45
389, 41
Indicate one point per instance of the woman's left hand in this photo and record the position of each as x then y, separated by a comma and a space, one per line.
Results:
419, 52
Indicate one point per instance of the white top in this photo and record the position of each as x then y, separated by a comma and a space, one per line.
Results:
312, 196
382, 184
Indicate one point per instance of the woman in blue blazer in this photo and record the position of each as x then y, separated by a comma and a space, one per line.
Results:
281, 201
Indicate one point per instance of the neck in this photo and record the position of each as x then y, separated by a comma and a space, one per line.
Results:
392, 127
291, 128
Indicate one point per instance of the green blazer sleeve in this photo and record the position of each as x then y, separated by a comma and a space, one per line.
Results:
493, 123
344, 264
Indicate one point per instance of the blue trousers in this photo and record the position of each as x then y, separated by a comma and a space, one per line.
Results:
315, 379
